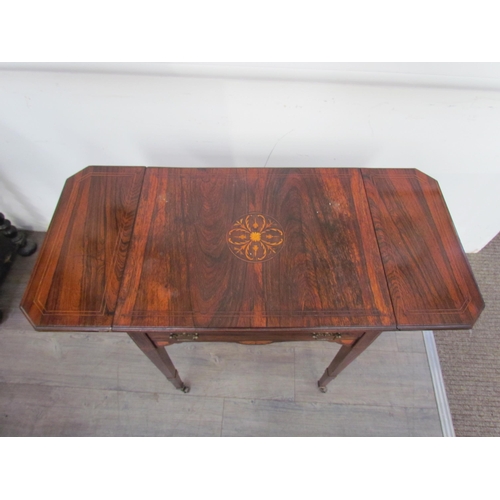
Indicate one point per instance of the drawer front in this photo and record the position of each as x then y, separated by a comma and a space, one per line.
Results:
252, 337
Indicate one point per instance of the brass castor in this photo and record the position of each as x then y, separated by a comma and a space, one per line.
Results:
322, 388
185, 389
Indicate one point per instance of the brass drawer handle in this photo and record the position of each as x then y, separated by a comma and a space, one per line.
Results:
326, 335
184, 336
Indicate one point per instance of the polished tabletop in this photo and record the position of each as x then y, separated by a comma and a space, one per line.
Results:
135, 249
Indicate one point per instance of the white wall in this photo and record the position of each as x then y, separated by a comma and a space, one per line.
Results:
55, 119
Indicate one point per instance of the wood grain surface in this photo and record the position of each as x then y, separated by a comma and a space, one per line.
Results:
233, 253
182, 272
75, 282
430, 280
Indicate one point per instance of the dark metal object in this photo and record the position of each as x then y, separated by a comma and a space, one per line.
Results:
12, 241
25, 246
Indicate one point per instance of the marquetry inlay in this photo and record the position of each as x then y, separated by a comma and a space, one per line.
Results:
255, 237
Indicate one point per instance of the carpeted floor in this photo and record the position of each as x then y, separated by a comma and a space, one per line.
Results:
470, 360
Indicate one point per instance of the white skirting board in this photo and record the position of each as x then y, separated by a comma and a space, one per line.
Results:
438, 383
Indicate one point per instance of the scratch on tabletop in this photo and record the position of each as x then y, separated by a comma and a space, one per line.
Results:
275, 144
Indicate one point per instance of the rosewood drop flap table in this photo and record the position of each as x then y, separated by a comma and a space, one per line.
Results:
254, 256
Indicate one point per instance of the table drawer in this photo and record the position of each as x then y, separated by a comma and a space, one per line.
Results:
252, 337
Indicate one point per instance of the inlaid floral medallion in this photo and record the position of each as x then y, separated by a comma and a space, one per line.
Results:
256, 237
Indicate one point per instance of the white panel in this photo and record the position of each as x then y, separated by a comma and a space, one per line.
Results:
442, 119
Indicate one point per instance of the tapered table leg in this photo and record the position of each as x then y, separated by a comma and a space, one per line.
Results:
160, 358
346, 355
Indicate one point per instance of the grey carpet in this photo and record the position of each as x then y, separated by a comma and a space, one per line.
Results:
470, 360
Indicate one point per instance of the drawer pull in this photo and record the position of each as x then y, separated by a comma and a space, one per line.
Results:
184, 336
326, 335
